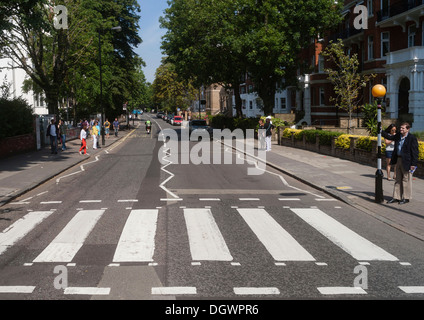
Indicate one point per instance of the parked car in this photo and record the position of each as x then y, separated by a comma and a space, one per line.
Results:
160, 115
169, 118
177, 121
200, 125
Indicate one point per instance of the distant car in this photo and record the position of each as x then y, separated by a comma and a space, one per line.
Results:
160, 115
200, 125
169, 118
177, 121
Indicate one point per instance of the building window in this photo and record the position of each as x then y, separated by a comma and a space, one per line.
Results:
321, 96
276, 103
250, 105
370, 8
370, 47
283, 103
385, 5
321, 60
385, 43
412, 29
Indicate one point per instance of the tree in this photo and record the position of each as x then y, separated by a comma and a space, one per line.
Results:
202, 42
348, 82
219, 40
168, 92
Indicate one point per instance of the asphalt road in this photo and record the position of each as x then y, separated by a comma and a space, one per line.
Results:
125, 225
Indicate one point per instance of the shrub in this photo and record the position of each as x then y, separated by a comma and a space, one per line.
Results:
16, 116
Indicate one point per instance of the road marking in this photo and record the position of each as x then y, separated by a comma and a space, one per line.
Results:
206, 241
50, 202
255, 291
94, 291
348, 240
412, 289
325, 200
21, 228
66, 245
16, 289
209, 199
249, 199
90, 201
279, 243
137, 241
173, 290
341, 290
289, 199
128, 200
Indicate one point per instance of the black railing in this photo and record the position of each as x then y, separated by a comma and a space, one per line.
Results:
397, 8
345, 34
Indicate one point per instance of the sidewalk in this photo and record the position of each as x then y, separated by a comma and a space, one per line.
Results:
23, 172
352, 183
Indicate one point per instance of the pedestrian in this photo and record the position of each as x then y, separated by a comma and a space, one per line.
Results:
83, 138
94, 134
53, 132
390, 146
116, 126
268, 132
107, 128
63, 133
405, 156
98, 133
261, 135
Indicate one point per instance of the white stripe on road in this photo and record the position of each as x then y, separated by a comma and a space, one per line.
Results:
249, 199
174, 290
90, 201
137, 241
255, 291
92, 291
209, 199
206, 241
288, 199
341, 290
279, 243
348, 240
65, 246
128, 200
50, 202
412, 289
21, 228
16, 289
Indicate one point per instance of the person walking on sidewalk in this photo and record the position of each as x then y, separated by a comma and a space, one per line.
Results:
261, 135
116, 126
63, 132
83, 138
405, 156
390, 146
268, 133
53, 132
107, 128
94, 135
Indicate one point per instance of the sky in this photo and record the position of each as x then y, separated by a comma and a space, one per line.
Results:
151, 33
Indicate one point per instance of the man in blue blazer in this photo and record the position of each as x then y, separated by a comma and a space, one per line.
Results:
406, 157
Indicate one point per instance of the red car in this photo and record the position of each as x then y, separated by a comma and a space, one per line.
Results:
177, 121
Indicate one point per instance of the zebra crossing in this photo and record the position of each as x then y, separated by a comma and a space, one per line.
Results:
137, 241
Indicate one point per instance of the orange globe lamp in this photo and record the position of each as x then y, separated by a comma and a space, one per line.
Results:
378, 91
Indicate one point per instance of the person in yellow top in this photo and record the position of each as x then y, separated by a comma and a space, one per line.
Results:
107, 127
94, 134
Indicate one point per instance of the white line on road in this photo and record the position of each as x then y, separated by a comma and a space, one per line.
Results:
279, 243
16, 289
21, 228
137, 241
87, 291
206, 241
348, 240
173, 290
50, 202
341, 290
255, 291
90, 201
412, 289
64, 247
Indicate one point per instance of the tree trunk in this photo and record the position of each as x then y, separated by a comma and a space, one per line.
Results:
238, 101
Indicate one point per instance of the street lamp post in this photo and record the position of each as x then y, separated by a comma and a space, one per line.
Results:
379, 91
118, 28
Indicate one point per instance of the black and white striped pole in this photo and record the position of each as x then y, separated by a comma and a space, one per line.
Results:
379, 91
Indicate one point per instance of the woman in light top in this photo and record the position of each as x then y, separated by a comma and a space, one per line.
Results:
83, 138
390, 146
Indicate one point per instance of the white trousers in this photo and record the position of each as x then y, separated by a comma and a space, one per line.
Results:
268, 143
94, 141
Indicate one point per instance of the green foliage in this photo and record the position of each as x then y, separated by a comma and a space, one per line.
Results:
17, 117
345, 76
370, 118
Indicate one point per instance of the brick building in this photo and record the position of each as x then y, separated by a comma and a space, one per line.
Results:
392, 47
